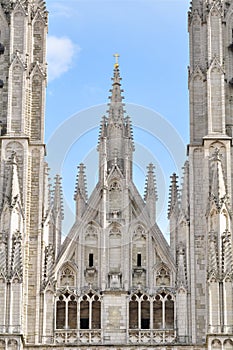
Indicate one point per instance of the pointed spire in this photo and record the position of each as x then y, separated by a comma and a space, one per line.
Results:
150, 195
12, 193
58, 196
218, 185
80, 195
81, 184
173, 195
47, 191
116, 106
129, 130
115, 144
150, 187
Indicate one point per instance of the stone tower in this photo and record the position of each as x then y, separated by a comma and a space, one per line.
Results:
115, 281
24, 198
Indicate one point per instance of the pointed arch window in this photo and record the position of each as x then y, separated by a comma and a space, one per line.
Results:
152, 312
66, 312
73, 312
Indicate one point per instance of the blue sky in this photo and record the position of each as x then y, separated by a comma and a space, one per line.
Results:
151, 38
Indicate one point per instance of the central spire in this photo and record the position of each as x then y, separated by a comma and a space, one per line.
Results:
116, 106
116, 138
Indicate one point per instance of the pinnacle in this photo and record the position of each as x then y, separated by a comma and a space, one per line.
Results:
57, 195
81, 186
150, 187
116, 106
173, 194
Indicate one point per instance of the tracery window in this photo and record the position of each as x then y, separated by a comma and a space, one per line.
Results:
115, 186
163, 277
151, 312
78, 312
67, 276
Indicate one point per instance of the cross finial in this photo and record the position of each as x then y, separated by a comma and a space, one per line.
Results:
116, 55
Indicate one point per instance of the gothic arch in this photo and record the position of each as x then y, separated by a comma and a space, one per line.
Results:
38, 38
213, 220
115, 198
162, 275
2, 344
78, 311
115, 247
91, 230
152, 312
19, 27
12, 344
216, 344
115, 185
139, 231
228, 344
224, 220
67, 275
221, 149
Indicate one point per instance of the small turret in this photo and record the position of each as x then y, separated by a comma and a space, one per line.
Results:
173, 195
58, 214
80, 195
173, 212
150, 196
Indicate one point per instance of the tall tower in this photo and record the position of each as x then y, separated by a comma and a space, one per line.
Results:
204, 221
24, 200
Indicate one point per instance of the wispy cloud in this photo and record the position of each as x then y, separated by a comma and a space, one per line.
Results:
60, 54
58, 9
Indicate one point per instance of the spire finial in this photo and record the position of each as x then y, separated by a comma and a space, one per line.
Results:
116, 55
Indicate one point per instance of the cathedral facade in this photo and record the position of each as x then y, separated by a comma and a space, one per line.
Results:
115, 281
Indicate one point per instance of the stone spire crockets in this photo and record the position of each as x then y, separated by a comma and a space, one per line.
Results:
116, 105
150, 195
80, 195
116, 138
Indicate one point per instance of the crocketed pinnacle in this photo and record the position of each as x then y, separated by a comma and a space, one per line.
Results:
116, 106
81, 184
57, 196
150, 187
173, 195
218, 186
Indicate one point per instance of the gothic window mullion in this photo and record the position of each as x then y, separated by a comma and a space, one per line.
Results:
163, 314
151, 314
139, 314
78, 314
90, 314
66, 315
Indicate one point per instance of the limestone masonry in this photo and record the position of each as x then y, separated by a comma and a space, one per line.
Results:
115, 282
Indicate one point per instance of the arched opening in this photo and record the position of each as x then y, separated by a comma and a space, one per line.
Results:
216, 344
228, 344
72, 314
157, 313
169, 313
145, 313
84, 313
96, 314
61, 313
133, 313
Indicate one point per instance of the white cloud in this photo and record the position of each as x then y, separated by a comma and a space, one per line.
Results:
60, 54
57, 9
